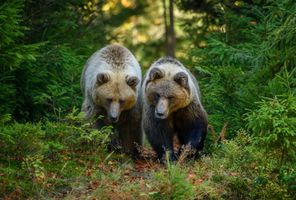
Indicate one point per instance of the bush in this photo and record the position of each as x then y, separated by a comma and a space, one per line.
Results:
13, 52
37, 159
19, 140
274, 125
238, 169
76, 134
172, 184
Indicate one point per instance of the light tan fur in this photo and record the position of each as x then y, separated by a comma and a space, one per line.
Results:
176, 96
110, 83
116, 91
118, 63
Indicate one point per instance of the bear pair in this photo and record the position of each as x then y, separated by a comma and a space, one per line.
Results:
166, 103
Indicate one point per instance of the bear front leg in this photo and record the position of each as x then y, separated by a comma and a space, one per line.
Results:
130, 135
130, 131
101, 121
194, 135
160, 135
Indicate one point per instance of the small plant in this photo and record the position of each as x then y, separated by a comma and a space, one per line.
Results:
34, 167
181, 188
173, 184
76, 134
19, 140
274, 125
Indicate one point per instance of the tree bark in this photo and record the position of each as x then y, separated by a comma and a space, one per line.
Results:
165, 26
170, 39
171, 33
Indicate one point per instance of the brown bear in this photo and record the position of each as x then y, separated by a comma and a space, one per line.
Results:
110, 83
172, 106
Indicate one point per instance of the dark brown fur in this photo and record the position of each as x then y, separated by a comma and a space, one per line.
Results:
172, 107
117, 57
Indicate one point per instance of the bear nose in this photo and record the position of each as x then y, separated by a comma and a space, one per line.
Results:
114, 112
159, 114
113, 119
161, 110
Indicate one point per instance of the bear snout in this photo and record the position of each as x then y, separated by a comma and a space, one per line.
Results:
113, 119
162, 109
114, 112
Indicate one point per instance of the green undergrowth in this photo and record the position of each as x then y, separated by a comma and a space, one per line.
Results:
236, 169
69, 160
42, 160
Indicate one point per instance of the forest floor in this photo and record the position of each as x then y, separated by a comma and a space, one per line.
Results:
57, 160
120, 178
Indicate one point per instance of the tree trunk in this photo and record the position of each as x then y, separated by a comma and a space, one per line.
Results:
171, 33
166, 27
170, 39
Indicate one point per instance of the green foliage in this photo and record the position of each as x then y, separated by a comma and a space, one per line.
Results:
75, 134
241, 55
13, 52
239, 169
62, 68
181, 188
172, 184
19, 140
38, 159
274, 124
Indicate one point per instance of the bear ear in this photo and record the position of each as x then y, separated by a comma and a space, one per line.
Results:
155, 73
103, 78
182, 79
132, 81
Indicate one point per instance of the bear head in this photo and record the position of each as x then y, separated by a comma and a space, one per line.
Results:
167, 90
115, 92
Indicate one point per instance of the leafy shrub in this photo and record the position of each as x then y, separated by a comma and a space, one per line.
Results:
288, 176
36, 159
76, 134
181, 188
19, 140
172, 184
274, 125
53, 99
238, 169
13, 52
34, 168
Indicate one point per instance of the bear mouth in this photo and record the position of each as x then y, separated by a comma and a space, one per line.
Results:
160, 115
113, 120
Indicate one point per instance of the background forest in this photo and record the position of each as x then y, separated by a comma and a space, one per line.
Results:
242, 53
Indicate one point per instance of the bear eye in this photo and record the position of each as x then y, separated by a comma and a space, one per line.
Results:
170, 97
155, 73
132, 81
121, 101
156, 96
103, 78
